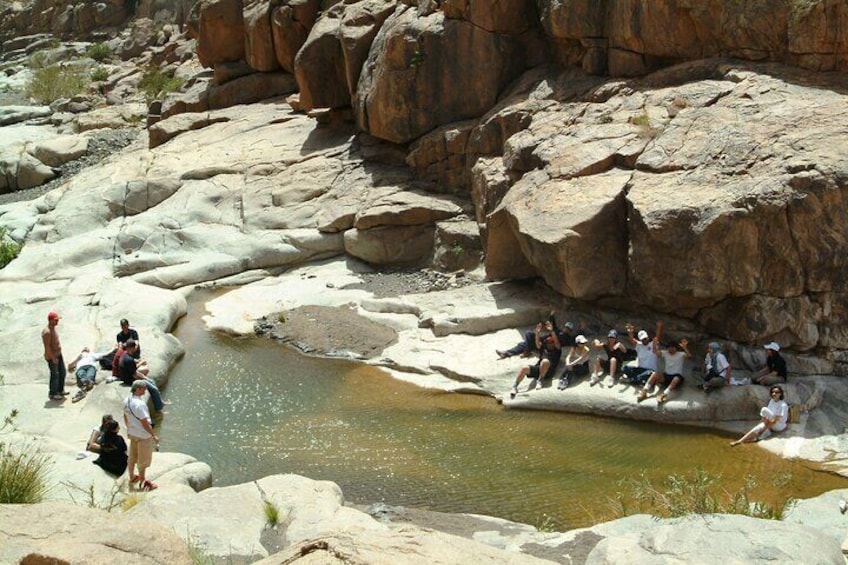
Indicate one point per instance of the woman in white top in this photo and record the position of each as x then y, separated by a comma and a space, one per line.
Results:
774, 418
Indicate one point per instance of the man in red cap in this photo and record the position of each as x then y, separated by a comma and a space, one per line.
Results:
53, 356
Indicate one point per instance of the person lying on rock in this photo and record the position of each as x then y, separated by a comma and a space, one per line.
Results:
775, 370
85, 368
96, 436
576, 362
615, 351
672, 376
550, 351
527, 346
131, 370
774, 418
646, 359
113, 450
716, 368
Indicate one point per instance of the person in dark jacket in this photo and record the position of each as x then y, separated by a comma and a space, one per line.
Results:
775, 370
112, 449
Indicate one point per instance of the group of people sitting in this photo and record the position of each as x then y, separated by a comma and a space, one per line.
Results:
126, 365
547, 341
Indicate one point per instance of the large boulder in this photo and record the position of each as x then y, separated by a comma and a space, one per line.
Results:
412, 60
360, 23
220, 32
259, 42
58, 151
291, 22
319, 65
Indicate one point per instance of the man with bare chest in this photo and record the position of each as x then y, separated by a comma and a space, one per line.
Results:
53, 356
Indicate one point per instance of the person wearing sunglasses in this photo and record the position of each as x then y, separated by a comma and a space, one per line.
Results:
774, 418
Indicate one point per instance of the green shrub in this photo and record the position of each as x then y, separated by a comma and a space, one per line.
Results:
99, 74
272, 513
54, 82
23, 471
155, 84
38, 60
9, 249
698, 493
99, 52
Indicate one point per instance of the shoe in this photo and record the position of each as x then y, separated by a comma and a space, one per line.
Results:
594, 380
843, 506
563, 384
643, 394
662, 398
501, 354
57, 397
539, 385
134, 479
149, 486
78, 396
513, 391
611, 382
64, 393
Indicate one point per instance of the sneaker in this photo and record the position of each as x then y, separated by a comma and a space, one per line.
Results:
594, 380
501, 354
78, 396
662, 398
64, 393
563, 383
643, 394
149, 486
513, 391
57, 397
539, 385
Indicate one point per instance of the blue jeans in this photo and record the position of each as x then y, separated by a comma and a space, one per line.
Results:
57, 376
155, 395
637, 375
526, 346
86, 375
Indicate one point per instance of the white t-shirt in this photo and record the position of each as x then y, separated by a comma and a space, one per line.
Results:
645, 357
721, 364
135, 409
88, 359
780, 409
673, 363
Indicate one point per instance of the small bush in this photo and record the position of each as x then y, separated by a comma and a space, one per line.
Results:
9, 249
698, 493
23, 475
99, 52
54, 82
155, 84
38, 60
272, 513
99, 74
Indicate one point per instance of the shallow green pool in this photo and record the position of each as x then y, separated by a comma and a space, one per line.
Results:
251, 408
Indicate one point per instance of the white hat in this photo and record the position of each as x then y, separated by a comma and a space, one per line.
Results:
642, 335
773, 346
581, 339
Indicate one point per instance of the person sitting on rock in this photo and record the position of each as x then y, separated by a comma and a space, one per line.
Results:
112, 449
85, 367
127, 333
576, 362
527, 346
550, 351
672, 376
94, 439
774, 417
775, 370
615, 351
646, 359
716, 368
131, 371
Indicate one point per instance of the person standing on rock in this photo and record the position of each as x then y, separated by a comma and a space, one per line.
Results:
53, 356
142, 437
775, 370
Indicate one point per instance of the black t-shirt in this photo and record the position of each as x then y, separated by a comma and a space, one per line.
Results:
127, 368
113, 454
130, 334
775, 362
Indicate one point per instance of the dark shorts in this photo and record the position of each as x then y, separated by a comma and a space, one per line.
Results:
666, 379
580, 370
605, 364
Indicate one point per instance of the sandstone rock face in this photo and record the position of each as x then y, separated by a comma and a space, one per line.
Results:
629, 38
411, 60
705, 202
319, 65
259, 44
291, 22
220, 32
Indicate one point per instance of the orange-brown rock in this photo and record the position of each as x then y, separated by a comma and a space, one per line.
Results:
220, 32
291, 21
360, 23
319, 65
259, 42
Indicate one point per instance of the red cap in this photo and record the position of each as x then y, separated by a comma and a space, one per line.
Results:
53, 316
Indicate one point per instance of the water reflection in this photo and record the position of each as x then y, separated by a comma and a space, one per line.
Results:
251, 408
